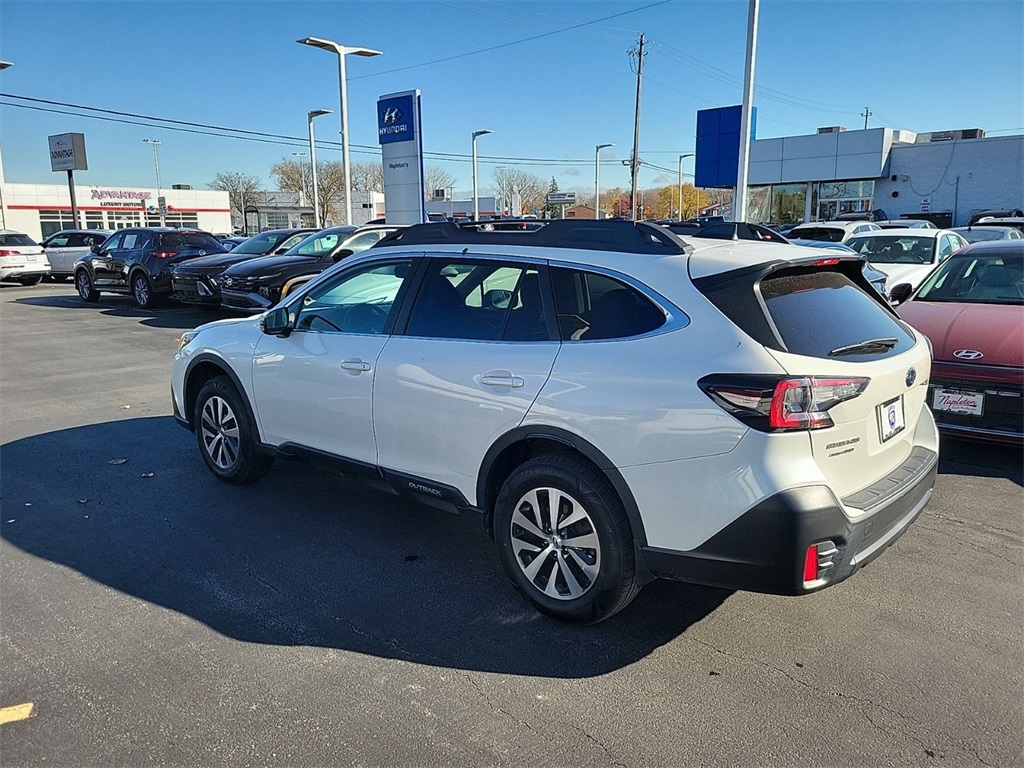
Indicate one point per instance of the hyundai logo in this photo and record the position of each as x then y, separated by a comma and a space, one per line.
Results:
911, 377
202, 253
391, 115
968, 354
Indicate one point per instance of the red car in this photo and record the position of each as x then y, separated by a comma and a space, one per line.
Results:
972, 310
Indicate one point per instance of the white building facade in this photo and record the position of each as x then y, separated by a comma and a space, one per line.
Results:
39, 210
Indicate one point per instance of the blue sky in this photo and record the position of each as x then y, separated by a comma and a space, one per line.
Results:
923, 66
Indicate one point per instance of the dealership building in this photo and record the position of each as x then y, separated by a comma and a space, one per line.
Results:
944, 176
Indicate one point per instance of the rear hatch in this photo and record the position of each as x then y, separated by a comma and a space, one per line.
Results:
822, 323
17, 249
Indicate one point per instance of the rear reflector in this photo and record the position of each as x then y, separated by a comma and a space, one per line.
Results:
811, 564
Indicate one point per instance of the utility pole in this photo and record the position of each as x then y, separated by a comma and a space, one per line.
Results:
866, 114
635, 161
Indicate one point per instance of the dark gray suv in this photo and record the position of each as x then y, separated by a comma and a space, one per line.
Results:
139, 261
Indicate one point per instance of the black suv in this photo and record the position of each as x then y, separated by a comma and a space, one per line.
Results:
139, 261
257, 284
197, 281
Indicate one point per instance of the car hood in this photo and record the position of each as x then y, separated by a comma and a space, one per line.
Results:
994, 330
904, 273
216, 263
267, 265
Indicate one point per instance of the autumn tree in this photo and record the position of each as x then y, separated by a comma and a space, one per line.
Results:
330, 176
368, 177
243, 189
531, 188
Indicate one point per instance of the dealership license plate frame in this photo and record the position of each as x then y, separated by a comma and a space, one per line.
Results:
887, 432
979, 396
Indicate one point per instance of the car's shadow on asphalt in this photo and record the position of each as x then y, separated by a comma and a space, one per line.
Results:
303, 558
969, 457
168, 315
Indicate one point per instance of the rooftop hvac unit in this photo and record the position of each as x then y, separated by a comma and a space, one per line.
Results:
966, 133
832, 129
181, 186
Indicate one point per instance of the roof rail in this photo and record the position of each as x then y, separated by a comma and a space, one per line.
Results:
598, 235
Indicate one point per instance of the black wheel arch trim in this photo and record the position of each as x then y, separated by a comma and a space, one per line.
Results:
570, 440
207, 357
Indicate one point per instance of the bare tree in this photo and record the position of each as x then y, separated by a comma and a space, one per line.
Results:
531, 188
330, 179
368, 176
243, 189
437, 178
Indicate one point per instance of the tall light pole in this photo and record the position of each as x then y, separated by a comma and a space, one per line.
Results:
310, 116
302, 177
739, 198
342, 50
3, 204
476, 199
156, 162
597, 178
688, 154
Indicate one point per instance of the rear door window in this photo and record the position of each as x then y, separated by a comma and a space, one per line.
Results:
593, 306
176, 241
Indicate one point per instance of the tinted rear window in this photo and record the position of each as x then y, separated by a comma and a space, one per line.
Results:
16, 239
823, 234
188, 240
818, 311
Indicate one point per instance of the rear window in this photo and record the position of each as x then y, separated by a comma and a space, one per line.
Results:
818, 312
886, 249
823, 234
16, 239
181, 240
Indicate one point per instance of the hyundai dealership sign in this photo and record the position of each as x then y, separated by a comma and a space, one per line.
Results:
401, 141
67, 152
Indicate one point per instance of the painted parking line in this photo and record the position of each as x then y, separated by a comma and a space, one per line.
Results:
16, 713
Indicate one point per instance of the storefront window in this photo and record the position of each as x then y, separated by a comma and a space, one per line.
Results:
788, 201
94, 220
54, 221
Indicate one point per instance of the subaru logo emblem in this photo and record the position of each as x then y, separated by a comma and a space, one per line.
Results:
968, 354
911, 377
391, 115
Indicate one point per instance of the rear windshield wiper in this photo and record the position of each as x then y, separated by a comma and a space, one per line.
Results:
865, 347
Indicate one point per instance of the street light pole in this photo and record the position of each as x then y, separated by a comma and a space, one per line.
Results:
597, 179
476, 199
156, 162
688, 154
310, 116
341, 51
302, 178
739, 199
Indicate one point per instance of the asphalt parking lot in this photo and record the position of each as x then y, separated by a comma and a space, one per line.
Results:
306, 620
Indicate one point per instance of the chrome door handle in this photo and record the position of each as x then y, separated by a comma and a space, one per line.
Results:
355, 365
502, 380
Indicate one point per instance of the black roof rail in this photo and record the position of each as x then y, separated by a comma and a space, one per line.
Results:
598, 235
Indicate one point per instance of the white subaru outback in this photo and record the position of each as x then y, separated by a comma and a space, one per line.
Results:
617, 404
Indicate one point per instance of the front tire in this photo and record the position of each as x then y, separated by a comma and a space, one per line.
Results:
227, 436
564, 539
30, 280
84, 286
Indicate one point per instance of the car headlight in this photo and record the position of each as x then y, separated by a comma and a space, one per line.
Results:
186, 338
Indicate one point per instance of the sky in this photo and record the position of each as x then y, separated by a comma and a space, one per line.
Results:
551, 79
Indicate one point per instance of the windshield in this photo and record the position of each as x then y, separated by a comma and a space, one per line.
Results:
824, 234
12, 238
989, 279
906, 249
315, 245
258, 245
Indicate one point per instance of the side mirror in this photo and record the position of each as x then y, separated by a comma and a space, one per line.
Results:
342, 254
94, 248
901, 292
276, 322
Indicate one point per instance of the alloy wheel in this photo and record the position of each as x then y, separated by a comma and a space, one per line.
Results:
141, 290
82, 283
555, 543
220, 432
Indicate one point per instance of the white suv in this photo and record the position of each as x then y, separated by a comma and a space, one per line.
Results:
616, 404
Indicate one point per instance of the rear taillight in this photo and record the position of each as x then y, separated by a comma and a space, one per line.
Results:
772, 404
165, 254
10, 253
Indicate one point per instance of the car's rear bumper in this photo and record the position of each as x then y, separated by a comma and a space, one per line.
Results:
28, 269
764, 549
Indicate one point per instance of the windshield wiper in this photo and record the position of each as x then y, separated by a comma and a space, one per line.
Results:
865, 347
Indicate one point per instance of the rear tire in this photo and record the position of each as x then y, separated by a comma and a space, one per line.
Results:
574, 563
84, 286
30, 280
227, 437
142, 291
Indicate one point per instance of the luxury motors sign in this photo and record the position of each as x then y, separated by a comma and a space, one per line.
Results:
67, 152
401, 141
